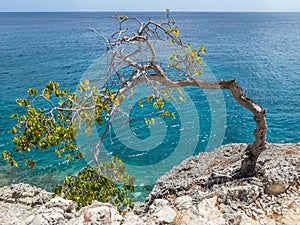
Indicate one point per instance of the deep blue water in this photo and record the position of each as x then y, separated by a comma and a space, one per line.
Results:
260, 50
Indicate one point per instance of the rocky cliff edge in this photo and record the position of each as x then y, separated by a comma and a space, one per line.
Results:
198, 191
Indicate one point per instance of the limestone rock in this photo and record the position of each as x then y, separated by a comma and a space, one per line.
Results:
209, 212
19, 201
278, 177
24, 194
97, 213
160, 212
198, 191
64, 204
184, 202
188, 218
240, 194
133, 219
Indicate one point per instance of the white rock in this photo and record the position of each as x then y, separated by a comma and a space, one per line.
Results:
160, 212
188, 218
184, 202
37, 220
165, 214
132, 219
209, 212
98, 213
59, 202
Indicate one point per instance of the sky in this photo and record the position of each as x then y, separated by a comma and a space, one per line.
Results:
152, 5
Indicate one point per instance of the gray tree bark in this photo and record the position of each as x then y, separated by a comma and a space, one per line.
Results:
251, 154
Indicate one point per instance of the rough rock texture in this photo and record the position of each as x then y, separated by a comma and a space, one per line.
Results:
56, 211
272, 197
200, 190
18, 201
161, 212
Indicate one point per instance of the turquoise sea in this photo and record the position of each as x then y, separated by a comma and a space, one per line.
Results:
260, 50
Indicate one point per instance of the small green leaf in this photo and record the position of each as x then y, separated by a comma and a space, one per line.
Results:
22, 102
152, 120
14, 116
47, 95
122, 17
130, 92
14, 131
32, 91
141, 104
175, 31
13, 162
68, 157
149, 98
147, 121
5, 155
173, 116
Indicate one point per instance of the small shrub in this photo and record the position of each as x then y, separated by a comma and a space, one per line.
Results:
109, 183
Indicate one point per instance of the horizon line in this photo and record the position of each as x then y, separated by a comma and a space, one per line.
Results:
149, 11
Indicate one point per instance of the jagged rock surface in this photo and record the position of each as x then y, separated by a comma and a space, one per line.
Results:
269, 198
19, 201
198, 191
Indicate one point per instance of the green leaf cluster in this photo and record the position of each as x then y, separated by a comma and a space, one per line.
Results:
159, 103
109, 183
188, 61
48, 126
7, 157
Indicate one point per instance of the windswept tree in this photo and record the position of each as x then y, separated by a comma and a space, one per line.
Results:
54, 116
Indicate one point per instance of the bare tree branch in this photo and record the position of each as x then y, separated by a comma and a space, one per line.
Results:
254, 150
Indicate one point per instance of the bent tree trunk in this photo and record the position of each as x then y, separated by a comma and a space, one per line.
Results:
254, 149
